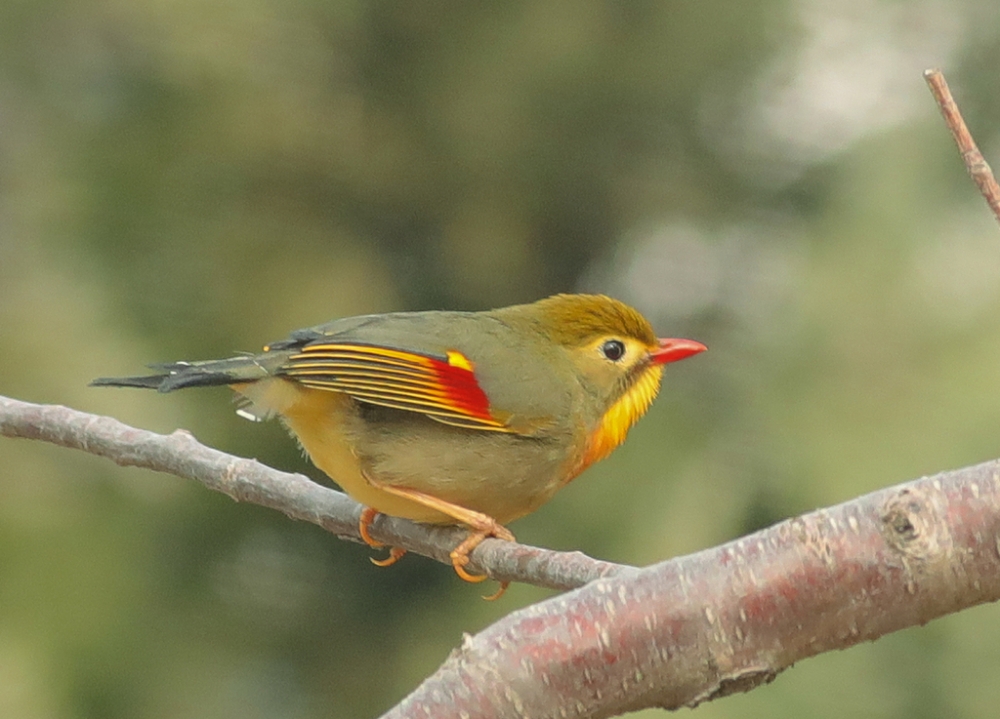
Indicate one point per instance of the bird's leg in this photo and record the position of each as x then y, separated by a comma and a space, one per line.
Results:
480, 525
368, 515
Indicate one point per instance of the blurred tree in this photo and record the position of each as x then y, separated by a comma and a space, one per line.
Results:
194, 179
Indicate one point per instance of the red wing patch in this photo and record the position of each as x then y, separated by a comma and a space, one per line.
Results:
443, 388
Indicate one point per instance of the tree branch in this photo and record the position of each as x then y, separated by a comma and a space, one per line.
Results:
974, 161
678, 633
246, 480
728, 619
675, 634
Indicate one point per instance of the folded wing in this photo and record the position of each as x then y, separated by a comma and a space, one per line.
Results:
442, 387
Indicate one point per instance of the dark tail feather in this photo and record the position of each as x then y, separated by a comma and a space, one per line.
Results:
177, 375
150, 382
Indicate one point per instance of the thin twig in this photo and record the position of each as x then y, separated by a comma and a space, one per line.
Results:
975, 163
246, 480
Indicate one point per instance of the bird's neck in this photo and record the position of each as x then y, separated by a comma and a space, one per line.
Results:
623, 413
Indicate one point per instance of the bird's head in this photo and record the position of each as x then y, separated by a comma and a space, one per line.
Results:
617, 357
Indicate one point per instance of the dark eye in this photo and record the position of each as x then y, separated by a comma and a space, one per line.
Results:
614, 350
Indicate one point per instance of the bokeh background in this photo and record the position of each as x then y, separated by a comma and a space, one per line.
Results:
183, 180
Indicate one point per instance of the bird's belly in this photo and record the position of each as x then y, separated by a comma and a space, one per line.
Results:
362, 446
499, 474
317, 420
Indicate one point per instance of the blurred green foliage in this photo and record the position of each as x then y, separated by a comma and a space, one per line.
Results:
185, 180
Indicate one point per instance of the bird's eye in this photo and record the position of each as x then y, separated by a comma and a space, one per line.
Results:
614, 350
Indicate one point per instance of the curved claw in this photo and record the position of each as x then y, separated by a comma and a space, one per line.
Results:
498, 593
395, 554
460, 555
368, 515
458, 562
460, 569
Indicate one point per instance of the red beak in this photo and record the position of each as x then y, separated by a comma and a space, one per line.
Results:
671, 350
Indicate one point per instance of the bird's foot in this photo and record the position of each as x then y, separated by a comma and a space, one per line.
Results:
481, 526
460, 554
368, 515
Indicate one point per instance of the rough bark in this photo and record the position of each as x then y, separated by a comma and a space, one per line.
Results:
675, 634
730, 618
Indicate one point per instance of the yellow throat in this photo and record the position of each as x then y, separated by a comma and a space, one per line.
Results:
625, 412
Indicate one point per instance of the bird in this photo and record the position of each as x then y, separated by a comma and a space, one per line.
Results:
446, 417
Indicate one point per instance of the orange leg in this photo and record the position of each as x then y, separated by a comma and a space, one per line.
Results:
480, 525
368, 515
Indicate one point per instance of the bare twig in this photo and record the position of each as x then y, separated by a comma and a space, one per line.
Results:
975, 163
246, 480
